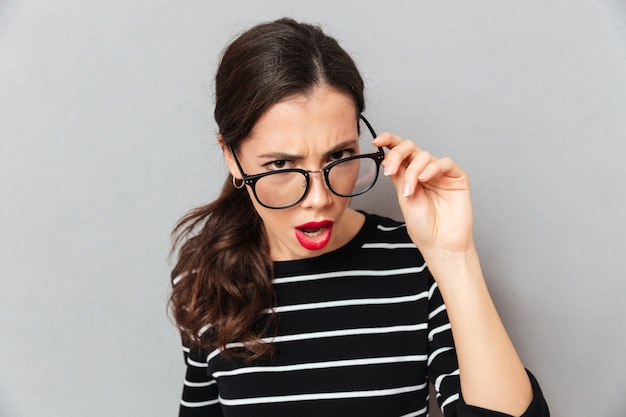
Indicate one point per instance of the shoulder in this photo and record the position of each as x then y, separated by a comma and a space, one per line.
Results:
388, 243
387, 230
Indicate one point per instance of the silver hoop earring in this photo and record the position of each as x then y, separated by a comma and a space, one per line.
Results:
238, 186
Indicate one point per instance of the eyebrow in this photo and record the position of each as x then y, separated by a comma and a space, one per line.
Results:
280, 156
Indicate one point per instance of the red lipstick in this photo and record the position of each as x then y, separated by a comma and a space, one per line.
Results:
314, 235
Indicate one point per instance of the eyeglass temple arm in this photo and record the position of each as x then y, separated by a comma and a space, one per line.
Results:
371, 129
232, 151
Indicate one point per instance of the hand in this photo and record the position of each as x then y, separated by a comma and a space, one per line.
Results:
433, 194
435, 201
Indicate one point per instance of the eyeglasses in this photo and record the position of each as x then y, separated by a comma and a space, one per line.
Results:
346, 177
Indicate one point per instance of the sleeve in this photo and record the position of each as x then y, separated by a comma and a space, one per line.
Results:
443, 368
537, 408
200, 394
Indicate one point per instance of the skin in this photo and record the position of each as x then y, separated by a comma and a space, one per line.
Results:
434, 196
306, 127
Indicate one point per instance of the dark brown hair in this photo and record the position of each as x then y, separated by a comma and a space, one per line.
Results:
222, 281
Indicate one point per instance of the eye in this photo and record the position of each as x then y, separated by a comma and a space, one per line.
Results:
344, 153
277, 165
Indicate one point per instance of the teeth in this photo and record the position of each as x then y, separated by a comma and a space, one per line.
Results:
313, 233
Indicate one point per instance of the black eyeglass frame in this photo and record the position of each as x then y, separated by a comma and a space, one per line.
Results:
251, 180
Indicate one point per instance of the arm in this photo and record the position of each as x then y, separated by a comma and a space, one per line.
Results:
435, 201
492, 375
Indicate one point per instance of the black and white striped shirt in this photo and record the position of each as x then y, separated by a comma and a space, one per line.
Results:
361, 331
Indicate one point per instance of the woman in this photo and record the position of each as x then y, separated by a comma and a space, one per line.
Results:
292, 303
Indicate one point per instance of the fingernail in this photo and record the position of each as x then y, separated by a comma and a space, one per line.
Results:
386, 170
406, 191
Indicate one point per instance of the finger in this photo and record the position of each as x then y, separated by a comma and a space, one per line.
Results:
441, 173
422, 163
401, 152
387, 140
441, 167
399, 156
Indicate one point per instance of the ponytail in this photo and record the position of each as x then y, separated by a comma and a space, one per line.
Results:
222, 289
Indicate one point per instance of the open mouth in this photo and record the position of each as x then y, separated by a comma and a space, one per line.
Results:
314, 235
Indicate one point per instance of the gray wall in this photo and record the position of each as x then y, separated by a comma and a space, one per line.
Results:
107, 139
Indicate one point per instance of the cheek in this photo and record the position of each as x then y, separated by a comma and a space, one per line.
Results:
277, 226
270, 218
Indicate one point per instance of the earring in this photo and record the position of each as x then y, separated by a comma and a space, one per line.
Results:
238, 186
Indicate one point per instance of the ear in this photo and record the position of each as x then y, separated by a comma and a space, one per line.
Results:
228, 157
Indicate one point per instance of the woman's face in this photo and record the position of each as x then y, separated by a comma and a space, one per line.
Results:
308, 132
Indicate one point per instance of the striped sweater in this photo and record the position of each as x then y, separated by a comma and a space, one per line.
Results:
361, 331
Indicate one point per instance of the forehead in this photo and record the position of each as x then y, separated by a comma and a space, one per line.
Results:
320, 118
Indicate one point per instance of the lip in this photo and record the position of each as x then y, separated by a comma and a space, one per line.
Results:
323, 230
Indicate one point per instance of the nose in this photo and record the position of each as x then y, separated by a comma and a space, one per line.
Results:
318, 195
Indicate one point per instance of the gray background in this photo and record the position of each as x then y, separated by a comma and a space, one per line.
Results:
107, 138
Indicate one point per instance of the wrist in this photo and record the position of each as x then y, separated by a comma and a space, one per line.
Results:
453, 267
